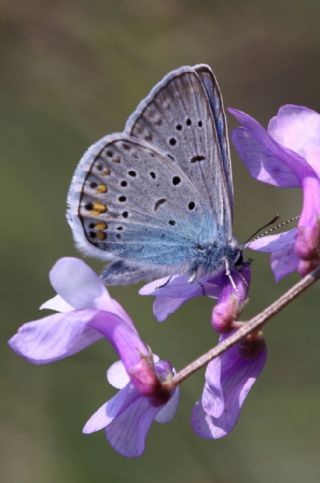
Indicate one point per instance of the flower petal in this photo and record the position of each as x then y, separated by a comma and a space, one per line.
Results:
122, 336
298, 128
55, 337
281, 246
273, 243
212, 396
105, 414
264, 158
56, 303
159, 284
78, 285
127, 432
165, 306
284, 262
117, 375
173, 292
169, 410
204, 425
229, 379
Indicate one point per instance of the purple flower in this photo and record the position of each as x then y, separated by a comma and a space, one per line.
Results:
127, 417
86, 314
81, 298
287, 155
229, 379
171, 293
230, 301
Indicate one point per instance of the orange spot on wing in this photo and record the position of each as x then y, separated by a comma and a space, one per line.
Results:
101, 235
98, 208
102, 188
101, 226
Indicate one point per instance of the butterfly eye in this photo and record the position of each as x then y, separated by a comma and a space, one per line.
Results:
239, 259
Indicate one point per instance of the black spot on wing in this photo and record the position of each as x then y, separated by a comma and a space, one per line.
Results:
158, 203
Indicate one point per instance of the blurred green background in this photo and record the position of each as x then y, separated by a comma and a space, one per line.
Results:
72, 71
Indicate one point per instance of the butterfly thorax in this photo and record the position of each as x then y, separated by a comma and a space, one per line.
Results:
212, 257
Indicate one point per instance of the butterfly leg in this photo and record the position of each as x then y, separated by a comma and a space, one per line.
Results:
166, 282
192, 277
243, 279
230, 277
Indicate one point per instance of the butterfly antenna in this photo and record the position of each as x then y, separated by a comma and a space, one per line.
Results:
267, 232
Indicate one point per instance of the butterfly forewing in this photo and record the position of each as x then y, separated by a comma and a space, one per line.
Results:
211, 86
177, 118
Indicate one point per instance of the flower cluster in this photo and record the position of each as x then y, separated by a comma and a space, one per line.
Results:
85, 313
285, 156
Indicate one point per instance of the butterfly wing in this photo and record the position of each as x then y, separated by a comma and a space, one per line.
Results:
212, 89
183, 116
129, 201
147, 197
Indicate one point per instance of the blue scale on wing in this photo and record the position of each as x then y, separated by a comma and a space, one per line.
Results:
138, 205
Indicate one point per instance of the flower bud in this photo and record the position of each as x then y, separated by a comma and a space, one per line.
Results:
307, 242
231, 300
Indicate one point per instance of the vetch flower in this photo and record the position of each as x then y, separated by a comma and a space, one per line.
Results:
127, 417
231, 299
86, 314
286, 155
170, 293
81, 296
229, 379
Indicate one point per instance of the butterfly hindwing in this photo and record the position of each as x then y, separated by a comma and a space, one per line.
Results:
134, 203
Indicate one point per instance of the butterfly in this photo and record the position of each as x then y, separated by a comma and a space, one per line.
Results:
157, 198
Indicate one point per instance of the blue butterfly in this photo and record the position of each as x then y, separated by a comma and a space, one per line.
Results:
157, 198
